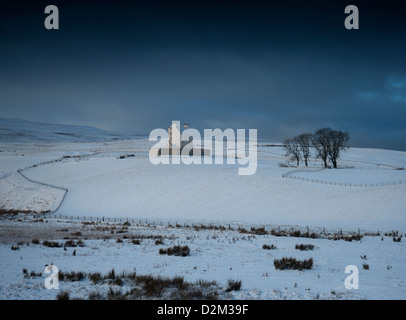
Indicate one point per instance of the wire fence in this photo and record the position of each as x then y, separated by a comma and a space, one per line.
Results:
290, 175
41, 183
180, 223
65, 190
94, 154
241, 226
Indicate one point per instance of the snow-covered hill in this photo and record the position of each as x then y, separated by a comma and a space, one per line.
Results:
103, 185
17, 130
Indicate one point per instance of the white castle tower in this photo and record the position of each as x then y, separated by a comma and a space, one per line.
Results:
175, 143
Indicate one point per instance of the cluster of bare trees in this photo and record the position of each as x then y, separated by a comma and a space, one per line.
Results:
327, 144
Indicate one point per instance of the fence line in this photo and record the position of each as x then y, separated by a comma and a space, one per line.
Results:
95, 154
232, 225
158, 222
169, 222
20, 171
41, 183
341, 184
287, 174
47, 185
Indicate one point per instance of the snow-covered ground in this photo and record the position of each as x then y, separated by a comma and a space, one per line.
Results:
21, 195
215, 255
101, 184
22, 131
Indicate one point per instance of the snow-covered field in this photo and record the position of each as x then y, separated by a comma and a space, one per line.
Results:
215, 255
21, 195
101, 185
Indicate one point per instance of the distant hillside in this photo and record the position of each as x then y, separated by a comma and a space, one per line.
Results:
17, 130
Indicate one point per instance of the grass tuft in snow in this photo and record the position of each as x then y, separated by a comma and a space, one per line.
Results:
115, 294
73, 244
147, 286
95, 277
292, 263
51, 244
349, 238
176, 251
71, 276
32, 274
233, 285
95, 296
304, 247
111, 275
63, 295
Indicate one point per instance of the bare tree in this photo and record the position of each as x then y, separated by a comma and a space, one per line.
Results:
292, 148
305, 141
322, 143
329, 143
338, 142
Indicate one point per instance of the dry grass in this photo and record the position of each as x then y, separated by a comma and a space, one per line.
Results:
176, 251
304, 247
292, 264
233, 285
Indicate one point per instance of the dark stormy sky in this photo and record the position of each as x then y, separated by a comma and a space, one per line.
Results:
282, 67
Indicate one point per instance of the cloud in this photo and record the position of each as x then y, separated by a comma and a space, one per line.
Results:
393, 90
396, 88
281, 69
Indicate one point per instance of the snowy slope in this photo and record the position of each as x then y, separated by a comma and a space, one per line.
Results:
16, 130
106, 186
103, 185
18, 194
